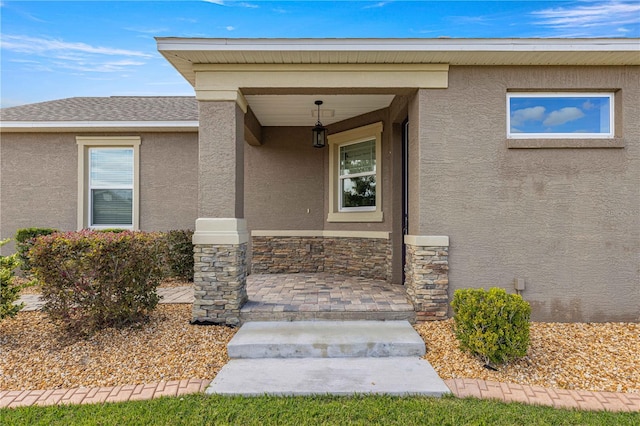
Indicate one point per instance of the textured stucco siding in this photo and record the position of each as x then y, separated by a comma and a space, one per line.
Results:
284, 181
168, 181
221, 163
39, 181
565, 220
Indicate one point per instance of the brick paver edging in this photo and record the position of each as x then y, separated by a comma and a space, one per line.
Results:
24, 398
538, 395
508, 392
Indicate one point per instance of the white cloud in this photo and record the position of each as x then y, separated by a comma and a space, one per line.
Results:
229, 28
527, 114
34, 45
587, 105
562, 116
153, 31
56, 55
248, 5
375, 5
608, 13
218, 2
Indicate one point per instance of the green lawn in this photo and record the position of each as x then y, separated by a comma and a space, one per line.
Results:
200, 409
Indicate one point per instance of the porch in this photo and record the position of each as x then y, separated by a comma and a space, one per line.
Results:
341, 287
323, 296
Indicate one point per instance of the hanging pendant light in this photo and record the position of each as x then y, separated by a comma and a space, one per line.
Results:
319, 132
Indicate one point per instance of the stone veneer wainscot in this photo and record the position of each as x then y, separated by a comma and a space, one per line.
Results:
220, 270
367, 256
427, 276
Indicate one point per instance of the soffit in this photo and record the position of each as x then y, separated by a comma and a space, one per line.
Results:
182, 53
300, 110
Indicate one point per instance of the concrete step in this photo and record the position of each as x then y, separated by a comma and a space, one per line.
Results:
335, 376
364, 315
326, 339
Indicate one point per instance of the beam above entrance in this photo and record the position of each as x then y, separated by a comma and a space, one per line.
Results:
227, 77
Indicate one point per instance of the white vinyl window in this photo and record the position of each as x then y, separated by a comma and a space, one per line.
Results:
560, 115
355, 175
108, 182
111, 187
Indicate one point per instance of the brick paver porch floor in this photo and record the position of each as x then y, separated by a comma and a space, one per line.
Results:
323, 296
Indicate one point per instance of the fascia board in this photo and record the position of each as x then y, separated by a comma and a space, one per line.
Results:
439, 44
37, 126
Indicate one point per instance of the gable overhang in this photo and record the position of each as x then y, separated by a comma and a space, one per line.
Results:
189, 55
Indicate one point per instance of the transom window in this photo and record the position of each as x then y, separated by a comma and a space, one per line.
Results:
354, 174
560, 115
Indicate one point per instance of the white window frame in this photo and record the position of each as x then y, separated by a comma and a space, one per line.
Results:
552, 94
337, 213
341, 208
85, 144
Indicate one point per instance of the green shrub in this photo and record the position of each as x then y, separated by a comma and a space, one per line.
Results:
491, 324
96, 279
9, 292
179, 256
112, 230
24, 240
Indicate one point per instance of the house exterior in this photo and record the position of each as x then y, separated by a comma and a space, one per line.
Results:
450, 163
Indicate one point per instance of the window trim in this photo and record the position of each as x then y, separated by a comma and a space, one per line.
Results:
559, 94
85, 143
349, 137
341, 208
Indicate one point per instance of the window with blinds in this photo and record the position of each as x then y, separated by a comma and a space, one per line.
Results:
111, 182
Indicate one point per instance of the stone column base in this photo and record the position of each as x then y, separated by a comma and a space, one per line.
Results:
220, 275
427, 276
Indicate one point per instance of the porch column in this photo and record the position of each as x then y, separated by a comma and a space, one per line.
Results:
220, 238
427, 256
427, 275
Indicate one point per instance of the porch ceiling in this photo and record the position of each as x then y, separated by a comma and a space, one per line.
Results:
300, 110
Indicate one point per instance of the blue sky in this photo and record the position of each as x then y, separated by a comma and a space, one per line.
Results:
53, 49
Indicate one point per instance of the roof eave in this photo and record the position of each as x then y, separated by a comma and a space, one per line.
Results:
97, 126
183, 53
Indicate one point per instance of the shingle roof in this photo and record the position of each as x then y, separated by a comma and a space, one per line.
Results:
115, 108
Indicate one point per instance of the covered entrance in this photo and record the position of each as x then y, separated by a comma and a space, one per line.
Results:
269, 202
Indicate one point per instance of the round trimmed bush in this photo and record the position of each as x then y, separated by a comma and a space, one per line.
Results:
493, 324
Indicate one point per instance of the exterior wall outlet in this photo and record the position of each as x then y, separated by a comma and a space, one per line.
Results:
518, 284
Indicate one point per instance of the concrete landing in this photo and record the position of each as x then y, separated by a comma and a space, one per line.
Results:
326, 339
335, 376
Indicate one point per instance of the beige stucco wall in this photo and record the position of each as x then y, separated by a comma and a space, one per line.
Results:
168, 181
284, 181
565, 220
38, 182
221, 164
38, 185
